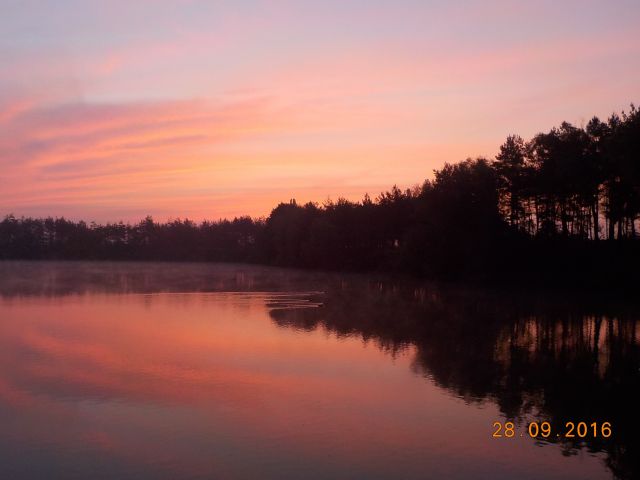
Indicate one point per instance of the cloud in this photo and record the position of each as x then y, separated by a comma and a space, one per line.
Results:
274, 103
79, 150
189, 157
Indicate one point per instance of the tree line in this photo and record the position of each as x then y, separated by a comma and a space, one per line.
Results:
543, 205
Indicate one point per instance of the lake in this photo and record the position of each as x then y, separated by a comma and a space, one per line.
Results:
194, 371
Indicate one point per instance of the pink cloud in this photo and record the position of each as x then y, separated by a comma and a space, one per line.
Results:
340, 122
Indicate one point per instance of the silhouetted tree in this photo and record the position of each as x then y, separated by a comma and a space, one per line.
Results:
510, 167
537, 208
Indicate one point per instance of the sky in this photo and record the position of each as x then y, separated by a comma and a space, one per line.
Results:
114, 110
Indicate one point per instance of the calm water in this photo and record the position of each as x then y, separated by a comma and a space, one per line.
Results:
168, 371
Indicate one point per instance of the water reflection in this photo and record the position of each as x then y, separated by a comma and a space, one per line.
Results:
271, 373
550, 359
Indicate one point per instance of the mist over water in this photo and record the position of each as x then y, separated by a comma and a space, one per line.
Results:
163, 370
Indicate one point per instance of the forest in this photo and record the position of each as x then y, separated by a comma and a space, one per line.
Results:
564, 204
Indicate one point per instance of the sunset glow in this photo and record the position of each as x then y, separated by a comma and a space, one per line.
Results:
112, 111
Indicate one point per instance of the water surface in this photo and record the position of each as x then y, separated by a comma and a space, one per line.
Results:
165, 371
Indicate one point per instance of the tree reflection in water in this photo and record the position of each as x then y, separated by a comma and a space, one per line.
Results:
537, 359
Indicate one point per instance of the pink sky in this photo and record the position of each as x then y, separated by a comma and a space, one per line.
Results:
112, 111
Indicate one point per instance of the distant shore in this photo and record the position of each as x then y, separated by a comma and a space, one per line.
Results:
561, 208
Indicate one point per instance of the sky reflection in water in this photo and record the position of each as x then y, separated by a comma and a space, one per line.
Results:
189, 371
